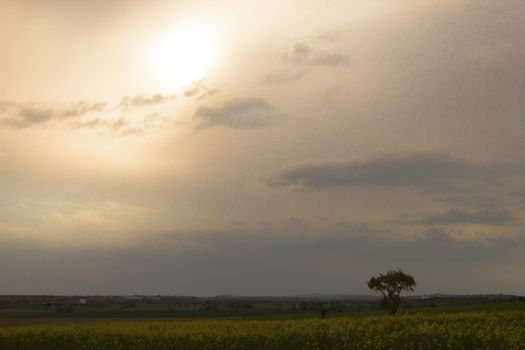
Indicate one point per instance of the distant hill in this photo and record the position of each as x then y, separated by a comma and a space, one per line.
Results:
326, 296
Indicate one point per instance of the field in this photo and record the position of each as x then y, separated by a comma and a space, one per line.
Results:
461, 330
30, 309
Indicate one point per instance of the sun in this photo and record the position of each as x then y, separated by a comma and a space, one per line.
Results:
184, 54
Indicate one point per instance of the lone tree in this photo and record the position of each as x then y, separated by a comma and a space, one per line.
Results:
391, 285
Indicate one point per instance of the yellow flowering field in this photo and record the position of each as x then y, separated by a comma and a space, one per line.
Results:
474, 330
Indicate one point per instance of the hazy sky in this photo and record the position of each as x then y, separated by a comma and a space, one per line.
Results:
261, 147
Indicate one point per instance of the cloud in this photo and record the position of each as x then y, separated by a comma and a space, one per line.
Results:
303, 54
81, 108
131, 132
266, 262
439, 245
118, 127
517, 194
300, 54
24, 115
456, 216
81, 114
144, 100
471, 200
425, 171
113, 125
305, 58
201, 89
352, 241
329, 59
247, 113
276, 78
333, 35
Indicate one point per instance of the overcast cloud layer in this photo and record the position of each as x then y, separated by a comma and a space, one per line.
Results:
324, 143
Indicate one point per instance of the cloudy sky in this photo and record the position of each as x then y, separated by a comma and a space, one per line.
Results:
261, 147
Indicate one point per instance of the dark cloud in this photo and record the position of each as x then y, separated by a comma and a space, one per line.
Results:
457, 216
24, 115
247, 113
352, 241
439, 245
428, 171
468, 200
144, 100
249, 262
517, 194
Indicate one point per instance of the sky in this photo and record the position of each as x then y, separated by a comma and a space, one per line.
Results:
261, 147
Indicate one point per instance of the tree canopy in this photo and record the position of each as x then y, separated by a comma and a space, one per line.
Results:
391, 285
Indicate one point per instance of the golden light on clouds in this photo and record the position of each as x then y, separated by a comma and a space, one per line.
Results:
304, 132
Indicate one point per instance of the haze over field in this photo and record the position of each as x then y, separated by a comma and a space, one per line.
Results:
261, 148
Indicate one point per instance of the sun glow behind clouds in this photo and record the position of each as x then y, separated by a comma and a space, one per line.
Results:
185, 53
